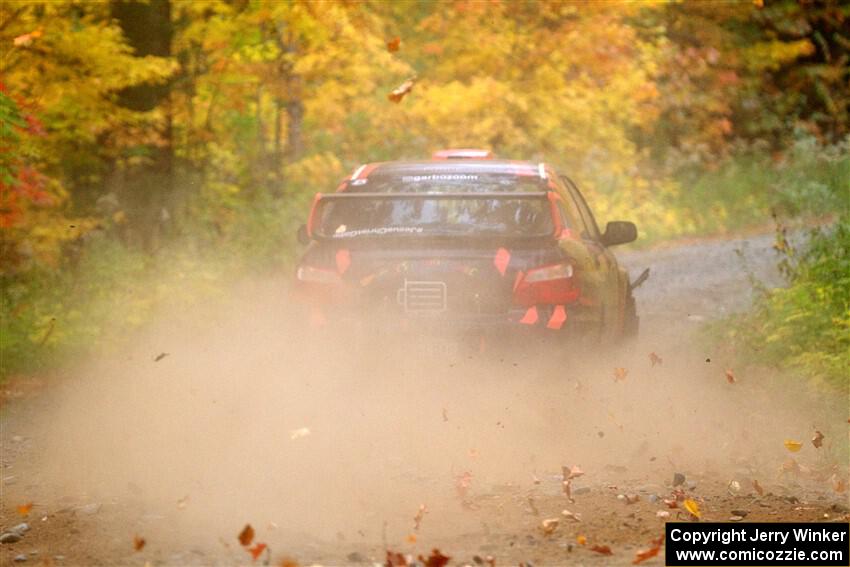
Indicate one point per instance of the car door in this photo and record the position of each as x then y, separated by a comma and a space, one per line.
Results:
610, 291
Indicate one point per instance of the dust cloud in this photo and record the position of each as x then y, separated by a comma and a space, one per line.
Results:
211, 436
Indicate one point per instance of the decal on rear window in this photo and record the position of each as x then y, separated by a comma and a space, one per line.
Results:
438, 177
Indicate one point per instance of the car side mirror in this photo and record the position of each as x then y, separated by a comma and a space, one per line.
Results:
302, 235
619, 232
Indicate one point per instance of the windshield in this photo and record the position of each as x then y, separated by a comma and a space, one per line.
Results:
438, 204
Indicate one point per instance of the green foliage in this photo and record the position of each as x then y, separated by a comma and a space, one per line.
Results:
806, 326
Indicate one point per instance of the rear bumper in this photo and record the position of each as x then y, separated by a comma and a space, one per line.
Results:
542, 319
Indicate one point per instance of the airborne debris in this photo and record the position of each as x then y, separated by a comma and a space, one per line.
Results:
730, 375
400, 91
602, 549
792, 445
299, 433
571, 515
817, 440
620, 374
246, 536
24, 509
160, 356
757, 487
257, 550
678, 479
655, 359
393, 44
644, 554
138, 543
549, 525
417, 519
436, 559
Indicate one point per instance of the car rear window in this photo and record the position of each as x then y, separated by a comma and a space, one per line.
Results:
439, 213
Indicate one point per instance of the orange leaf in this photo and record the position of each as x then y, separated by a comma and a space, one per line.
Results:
792, 445
393, 44
730, 376
24, 509
398, 93
817, 440
603, 549
645, 554
395, 559
620, 374
138, 543
246, 536
411, 538
436, 559
257, 550
581, 540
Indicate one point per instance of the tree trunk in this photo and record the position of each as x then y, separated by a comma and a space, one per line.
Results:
148, 29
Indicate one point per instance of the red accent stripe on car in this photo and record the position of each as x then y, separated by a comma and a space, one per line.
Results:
558, 318
501, 260
530, 316
343, 260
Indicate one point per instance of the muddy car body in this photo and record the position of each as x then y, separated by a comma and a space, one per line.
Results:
478, 244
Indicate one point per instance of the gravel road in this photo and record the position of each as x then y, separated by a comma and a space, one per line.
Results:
331, 457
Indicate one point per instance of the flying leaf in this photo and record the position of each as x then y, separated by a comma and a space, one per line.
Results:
24, 509
417, 519
411, 538
692, 507
571, 472
581, 540
620, 374
436, 559
299, 433
644, 554
817, 440
257, 550
138, 543
603, 549
393, 44
246, 536
549, 525
655, 359
462, 483
400, 91
792, 445
395, 559
730, 376
758, 487
571, 515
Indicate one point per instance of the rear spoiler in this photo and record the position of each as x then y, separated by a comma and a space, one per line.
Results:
551, 196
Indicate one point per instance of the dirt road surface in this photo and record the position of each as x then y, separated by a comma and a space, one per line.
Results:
334, 453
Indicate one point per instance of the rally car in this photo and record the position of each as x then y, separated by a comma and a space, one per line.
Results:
464, 241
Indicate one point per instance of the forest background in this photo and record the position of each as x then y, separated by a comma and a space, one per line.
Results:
153, 152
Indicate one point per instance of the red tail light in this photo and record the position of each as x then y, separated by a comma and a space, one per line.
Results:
546, 285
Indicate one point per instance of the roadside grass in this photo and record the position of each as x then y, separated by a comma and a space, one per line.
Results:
804, 328
93, 301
